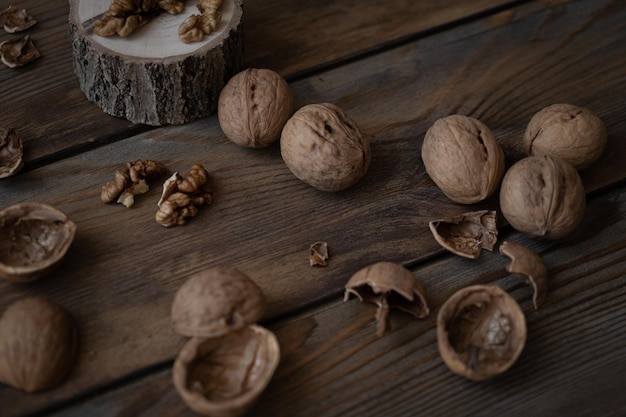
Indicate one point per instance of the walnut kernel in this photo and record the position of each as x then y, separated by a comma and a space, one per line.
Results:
16, 20
466, 235
18, 52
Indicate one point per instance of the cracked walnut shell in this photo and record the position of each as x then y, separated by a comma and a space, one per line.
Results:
323, 147
388, 285
223, 376
481, 331
39, 344
34, 237
216, 301
572, 133
543, 196
254, 106
463, 158
527, 263
11, 153
466, 235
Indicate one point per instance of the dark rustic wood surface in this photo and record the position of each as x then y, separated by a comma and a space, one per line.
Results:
394, 73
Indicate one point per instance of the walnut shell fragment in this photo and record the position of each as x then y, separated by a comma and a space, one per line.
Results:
39, 344
481, 331
527, 263
388, 285
11, 153
466, 235
16, 20
223, 376
18, 52
34, 237
318, 254
216, 301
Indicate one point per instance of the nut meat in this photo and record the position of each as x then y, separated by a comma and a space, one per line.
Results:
466, 235
18, 52
323, 147
182, 196
463, 158
388, 285
196, 27
16, 20
34, 237
131, 181
39, 344
481, 331
11, 153
124, 16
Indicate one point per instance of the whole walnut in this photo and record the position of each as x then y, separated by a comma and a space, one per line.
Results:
543, 196
323, 147
254, 106
39, 344
463, 158
572, 133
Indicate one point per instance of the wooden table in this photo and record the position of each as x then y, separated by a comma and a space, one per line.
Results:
394, 67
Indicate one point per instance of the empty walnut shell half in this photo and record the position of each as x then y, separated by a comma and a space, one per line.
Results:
11, 152
527, 263
39, 344
388, 285
481, 331
34, 237
216, 301
466, 235
223, 376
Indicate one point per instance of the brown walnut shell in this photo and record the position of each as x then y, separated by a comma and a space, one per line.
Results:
481, 331
39, 344
543, 196
388, 285
572, 133
466, 235
224, 376
34, 238
254, 106
463, 158
323, 147
216, 301
11, 153
527, 263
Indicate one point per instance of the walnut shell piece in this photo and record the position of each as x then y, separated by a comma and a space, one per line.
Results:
527, 263
318, 254
11, 152
216, 301
39, 344
481, 331
572, 133
223, 376
254, 106
18, 52
323, 147
462, 156
388, 285
543, 196
466, 235
34, 238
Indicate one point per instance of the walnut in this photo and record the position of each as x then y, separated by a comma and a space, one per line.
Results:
543, 196
39, 344
254, 106
323, 147
182, 196
18, 52
466, 235
388, 285
569, 132
34, 238
318, 254
229, 360
481, 331
11, 153
463, 158
131, 181
527, 263
16, 20
124, 16
195, 27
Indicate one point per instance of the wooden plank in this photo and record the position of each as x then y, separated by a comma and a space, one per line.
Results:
44, 103
334, 365
123, 269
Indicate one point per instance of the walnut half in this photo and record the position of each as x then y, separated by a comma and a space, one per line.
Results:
183, 195
18, 52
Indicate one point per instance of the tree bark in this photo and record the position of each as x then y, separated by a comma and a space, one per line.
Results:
151, 77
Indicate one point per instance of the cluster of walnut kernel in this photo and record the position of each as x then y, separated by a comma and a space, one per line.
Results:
19, 51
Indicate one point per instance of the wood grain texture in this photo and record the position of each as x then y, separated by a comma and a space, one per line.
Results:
123, 269
31, 96
334, 365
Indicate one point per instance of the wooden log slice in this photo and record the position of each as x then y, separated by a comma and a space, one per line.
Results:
151, 76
